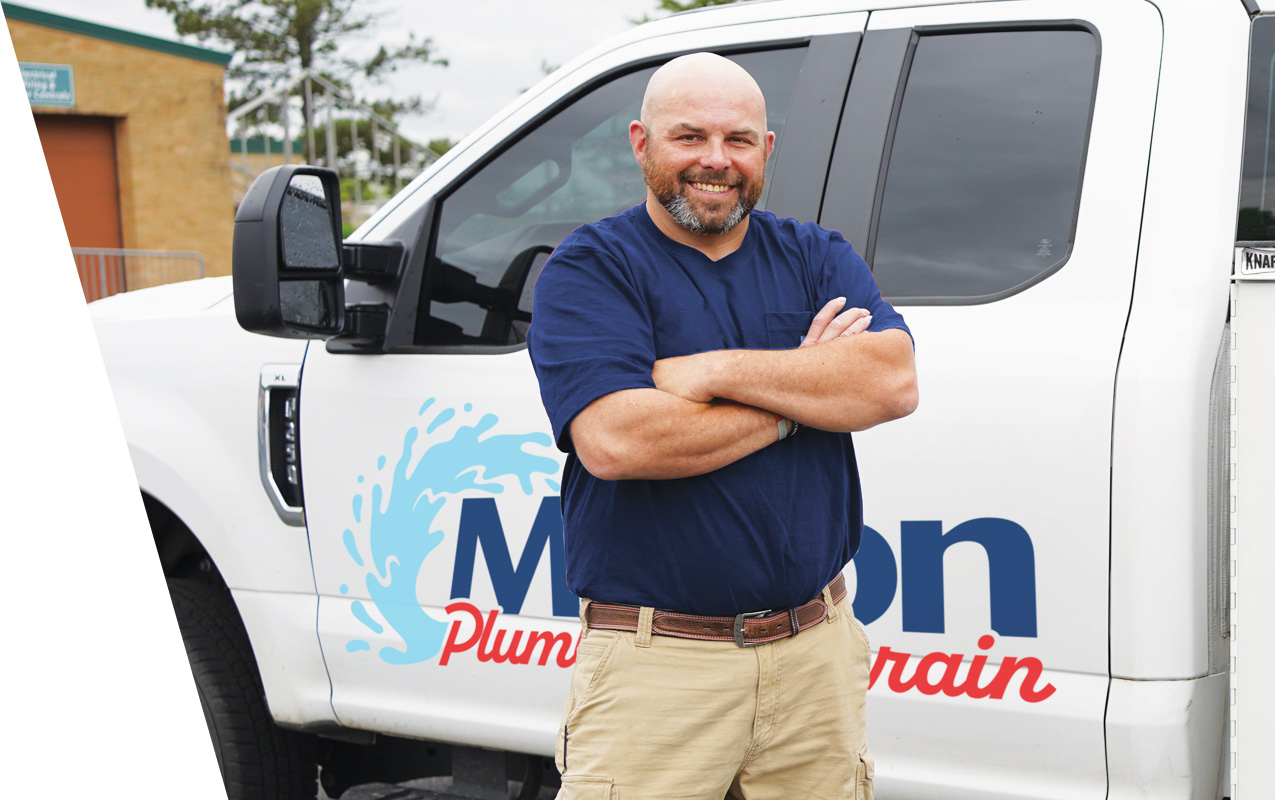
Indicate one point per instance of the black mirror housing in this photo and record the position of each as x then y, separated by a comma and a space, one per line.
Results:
287, 256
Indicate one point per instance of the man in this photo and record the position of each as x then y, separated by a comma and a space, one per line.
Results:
668, 341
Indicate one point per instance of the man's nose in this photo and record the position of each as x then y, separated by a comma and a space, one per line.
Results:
714, 155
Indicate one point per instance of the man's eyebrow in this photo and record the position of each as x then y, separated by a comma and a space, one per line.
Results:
680, 127
686, 127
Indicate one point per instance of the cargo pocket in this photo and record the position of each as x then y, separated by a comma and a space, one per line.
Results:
587, 787
863, 775
785, 329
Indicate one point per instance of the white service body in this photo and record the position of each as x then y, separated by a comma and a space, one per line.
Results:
1063, 441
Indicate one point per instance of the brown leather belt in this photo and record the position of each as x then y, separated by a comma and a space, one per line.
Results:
745, 630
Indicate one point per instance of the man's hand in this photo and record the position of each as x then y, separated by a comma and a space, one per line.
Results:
828, 324
682, 376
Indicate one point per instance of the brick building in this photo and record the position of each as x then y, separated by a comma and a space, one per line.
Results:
133, 129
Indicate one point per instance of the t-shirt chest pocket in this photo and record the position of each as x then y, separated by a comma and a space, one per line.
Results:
785, 329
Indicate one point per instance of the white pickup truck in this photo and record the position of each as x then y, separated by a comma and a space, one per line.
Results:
1066, 199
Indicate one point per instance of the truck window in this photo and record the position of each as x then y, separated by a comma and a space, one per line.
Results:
497, 228
983, 180
1257, 185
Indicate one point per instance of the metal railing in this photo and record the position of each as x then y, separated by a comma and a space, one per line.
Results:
107, 271
381, 157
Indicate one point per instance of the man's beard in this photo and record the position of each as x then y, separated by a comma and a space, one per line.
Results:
670, 191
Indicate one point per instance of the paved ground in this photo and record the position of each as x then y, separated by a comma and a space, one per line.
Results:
443, 786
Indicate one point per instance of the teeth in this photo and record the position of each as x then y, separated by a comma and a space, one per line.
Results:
711, 188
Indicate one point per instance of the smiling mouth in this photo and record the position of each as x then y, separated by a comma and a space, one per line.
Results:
711, 188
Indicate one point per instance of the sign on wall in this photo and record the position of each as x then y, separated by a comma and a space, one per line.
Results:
49, 84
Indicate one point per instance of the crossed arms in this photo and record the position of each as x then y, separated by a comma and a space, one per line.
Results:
713, 408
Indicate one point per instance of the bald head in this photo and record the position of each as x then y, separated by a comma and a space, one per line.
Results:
698, 79
703, 144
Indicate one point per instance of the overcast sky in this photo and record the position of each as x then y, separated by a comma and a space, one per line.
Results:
495, 47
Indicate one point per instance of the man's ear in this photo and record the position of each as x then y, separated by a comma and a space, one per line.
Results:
637, 138
770, 143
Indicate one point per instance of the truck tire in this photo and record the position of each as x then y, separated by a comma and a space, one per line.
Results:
258, 759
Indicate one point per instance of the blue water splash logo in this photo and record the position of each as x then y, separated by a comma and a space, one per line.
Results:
400, 525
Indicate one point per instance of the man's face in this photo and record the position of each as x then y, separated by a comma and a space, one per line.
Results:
705, 159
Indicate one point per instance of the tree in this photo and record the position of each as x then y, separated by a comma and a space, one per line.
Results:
276, 39
440, 146
675, 5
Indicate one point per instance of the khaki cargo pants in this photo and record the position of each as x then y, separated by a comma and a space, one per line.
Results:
653, 717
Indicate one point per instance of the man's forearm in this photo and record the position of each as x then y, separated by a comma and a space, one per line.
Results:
846, 384
650, 434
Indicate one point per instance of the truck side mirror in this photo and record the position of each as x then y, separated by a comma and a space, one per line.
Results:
286, 262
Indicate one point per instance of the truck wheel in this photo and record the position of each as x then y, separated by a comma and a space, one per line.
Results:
258, 759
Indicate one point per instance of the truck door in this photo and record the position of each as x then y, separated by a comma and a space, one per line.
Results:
991, 167
431, 481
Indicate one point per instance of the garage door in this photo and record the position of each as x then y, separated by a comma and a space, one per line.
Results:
80, 152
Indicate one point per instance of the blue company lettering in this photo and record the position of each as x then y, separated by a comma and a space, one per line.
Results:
1010, 556
1011, 562
480, 524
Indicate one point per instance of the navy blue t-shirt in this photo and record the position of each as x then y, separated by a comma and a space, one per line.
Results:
768, 531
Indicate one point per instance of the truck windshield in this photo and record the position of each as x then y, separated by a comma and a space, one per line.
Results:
1257, 185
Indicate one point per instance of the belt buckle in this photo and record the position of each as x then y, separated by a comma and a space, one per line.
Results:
738, 628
